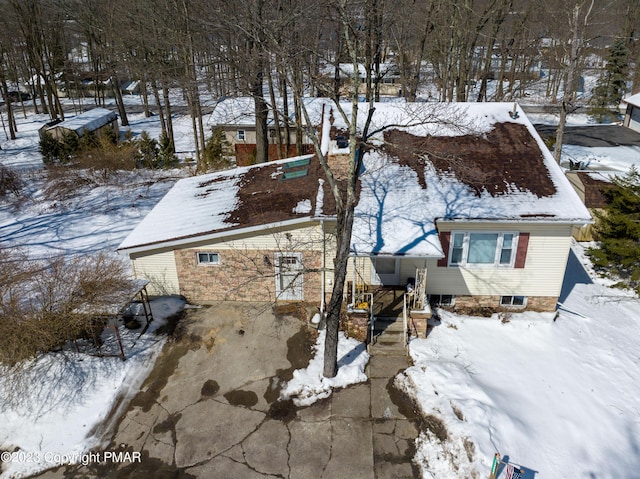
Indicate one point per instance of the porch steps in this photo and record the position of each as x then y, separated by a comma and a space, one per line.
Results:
389, 337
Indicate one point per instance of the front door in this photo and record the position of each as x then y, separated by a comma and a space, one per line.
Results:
385, 271
289, 276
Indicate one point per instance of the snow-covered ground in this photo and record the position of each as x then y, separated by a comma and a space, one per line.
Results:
558, 394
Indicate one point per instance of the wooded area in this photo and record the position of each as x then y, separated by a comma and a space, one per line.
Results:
446, 50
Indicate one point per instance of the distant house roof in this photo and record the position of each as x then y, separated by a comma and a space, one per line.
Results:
633, 99
593, 186
436, 163
241, 111
89, 120
228, 201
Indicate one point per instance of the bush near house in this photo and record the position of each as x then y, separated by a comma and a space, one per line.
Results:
44, 304
618, 231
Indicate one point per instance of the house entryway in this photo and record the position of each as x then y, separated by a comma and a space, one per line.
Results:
289, 277
388, 332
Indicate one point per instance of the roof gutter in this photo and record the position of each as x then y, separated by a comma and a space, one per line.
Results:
180, 242
548, 221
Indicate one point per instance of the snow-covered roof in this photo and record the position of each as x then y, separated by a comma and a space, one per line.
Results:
241, 111
633, 99
486, 167
89, 120
438, 162
255, 196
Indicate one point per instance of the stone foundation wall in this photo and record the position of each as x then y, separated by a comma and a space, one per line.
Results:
417, 327
485, 305
357, 326
242, 275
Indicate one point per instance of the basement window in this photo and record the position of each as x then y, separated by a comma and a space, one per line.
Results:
442, 299
513, 301
209, 258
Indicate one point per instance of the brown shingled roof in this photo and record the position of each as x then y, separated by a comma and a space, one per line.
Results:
266, 197
504, 159
593, 190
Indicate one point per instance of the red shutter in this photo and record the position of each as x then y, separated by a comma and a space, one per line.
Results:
445, 239
521, 254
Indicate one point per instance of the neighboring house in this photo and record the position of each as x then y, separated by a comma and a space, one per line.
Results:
478, 219
632, 112
98, 120
389, 83
590, 186
236, 117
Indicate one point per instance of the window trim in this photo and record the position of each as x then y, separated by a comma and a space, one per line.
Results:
464, 249
208, 262
241, 135
510, 304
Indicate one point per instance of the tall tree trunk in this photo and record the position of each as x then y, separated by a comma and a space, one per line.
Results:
115, 83
5, 93
145, 97
168, 116
285, 111
276, 116
569, 79
261, 111
156, 95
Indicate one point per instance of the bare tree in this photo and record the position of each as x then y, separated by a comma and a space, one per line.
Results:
578, 21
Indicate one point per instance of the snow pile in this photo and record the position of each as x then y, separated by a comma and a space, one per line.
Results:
556, 395
309, 385
303, 207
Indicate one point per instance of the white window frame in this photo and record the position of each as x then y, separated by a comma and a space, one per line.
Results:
436, 300
209, 256
242, 135
466, 235
510, 304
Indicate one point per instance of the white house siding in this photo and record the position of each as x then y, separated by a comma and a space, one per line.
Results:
295, 237
408, 268
231, 135
160, 270
542, 275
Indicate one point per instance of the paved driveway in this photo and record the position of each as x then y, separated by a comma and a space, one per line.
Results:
209, 409
593, 135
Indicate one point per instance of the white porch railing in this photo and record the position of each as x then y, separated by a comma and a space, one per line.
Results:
405, 321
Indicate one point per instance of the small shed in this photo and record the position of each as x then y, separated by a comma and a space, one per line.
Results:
98, 120
590, 186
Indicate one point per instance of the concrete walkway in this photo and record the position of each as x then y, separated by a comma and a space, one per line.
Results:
209, 410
